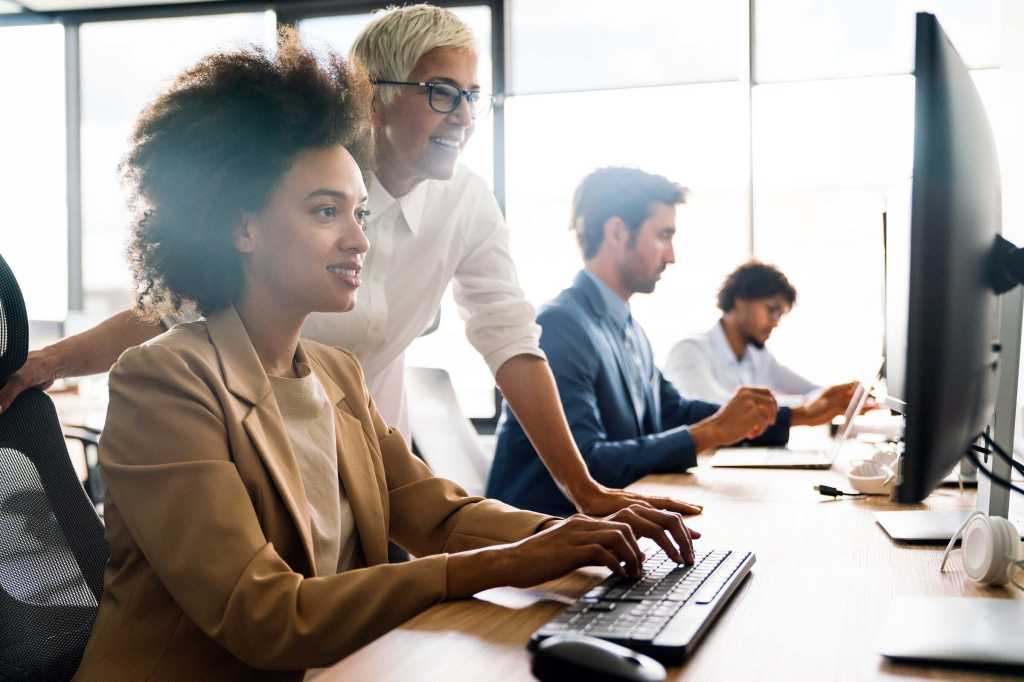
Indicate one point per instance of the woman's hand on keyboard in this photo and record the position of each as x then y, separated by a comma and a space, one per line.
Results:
560, 547
665, 528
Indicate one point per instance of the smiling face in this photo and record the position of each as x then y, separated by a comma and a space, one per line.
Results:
650, 251
304, 251
758, 317
414, 142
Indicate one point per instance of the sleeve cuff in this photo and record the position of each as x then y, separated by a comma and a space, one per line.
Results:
683, 450
784, 418
495, 359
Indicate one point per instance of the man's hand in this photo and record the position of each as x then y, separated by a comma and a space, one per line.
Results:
748, 413
824, 407
39, 371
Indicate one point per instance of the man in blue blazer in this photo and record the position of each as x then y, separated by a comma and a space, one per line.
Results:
627, 419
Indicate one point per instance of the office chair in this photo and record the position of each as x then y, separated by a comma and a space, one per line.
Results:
52, 549
442, 434
89, 438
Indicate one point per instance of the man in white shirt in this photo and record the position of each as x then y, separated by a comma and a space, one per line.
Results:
711, 366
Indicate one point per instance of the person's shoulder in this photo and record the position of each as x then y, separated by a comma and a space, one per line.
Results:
567, 304
340, 364
186, 346
691, 345
566, 313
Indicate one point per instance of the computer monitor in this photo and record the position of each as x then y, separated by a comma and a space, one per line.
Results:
950, 358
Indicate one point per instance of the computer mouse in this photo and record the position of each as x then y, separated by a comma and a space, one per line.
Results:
575, 658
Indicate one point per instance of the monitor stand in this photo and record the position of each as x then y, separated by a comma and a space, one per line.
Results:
922, 526
954, 630
940, 526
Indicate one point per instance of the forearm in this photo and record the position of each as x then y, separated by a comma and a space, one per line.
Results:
476, 570
622, 462
95, 350
705, 435
529, 387
799, 416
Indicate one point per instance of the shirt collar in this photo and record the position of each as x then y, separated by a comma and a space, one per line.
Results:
722, 347
411, 205
617, 309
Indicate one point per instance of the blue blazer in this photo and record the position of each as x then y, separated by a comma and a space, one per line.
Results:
586, 354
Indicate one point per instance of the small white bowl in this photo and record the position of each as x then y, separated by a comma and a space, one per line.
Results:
871, 477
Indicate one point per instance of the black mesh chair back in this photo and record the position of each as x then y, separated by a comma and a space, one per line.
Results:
52, 549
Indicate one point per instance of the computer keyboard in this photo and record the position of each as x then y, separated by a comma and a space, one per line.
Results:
664, 612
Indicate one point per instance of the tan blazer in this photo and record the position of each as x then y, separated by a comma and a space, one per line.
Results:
211, 571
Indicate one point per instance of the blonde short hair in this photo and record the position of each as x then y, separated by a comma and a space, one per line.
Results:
390, 46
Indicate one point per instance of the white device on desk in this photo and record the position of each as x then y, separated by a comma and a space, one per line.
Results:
992, 552
786, 458
954, 629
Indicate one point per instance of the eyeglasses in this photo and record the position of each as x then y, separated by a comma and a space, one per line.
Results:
775, 311
444, 98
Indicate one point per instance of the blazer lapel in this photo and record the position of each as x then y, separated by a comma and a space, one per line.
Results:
245, 377
355, 466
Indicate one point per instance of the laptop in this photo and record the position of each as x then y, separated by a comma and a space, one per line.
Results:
790, 458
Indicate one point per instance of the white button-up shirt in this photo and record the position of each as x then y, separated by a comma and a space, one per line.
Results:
704, 367
440, 232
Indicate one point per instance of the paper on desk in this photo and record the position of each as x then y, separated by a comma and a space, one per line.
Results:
516, 598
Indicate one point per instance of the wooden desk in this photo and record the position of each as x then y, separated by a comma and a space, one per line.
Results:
824, 579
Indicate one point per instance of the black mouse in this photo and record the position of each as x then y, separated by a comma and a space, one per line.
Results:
575, 658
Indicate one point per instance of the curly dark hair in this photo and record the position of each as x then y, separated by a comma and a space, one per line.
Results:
754, 280
626, 193
215, 144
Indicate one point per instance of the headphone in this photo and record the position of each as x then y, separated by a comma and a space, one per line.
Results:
992, 550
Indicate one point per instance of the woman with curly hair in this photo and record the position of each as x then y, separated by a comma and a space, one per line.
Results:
252, 485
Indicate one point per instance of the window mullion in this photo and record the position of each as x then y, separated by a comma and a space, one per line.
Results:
73, 142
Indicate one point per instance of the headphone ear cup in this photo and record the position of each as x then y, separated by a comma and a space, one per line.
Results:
979, 550
1009, 551
991, 545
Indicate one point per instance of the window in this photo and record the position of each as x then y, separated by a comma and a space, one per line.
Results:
565, 45
693, 134
805, 39
793, 163
829, 157
33, 222
121, 72
593, 110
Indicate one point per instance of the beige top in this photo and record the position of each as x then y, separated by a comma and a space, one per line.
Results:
309, 423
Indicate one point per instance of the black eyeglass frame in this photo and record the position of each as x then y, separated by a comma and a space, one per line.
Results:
474, 97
